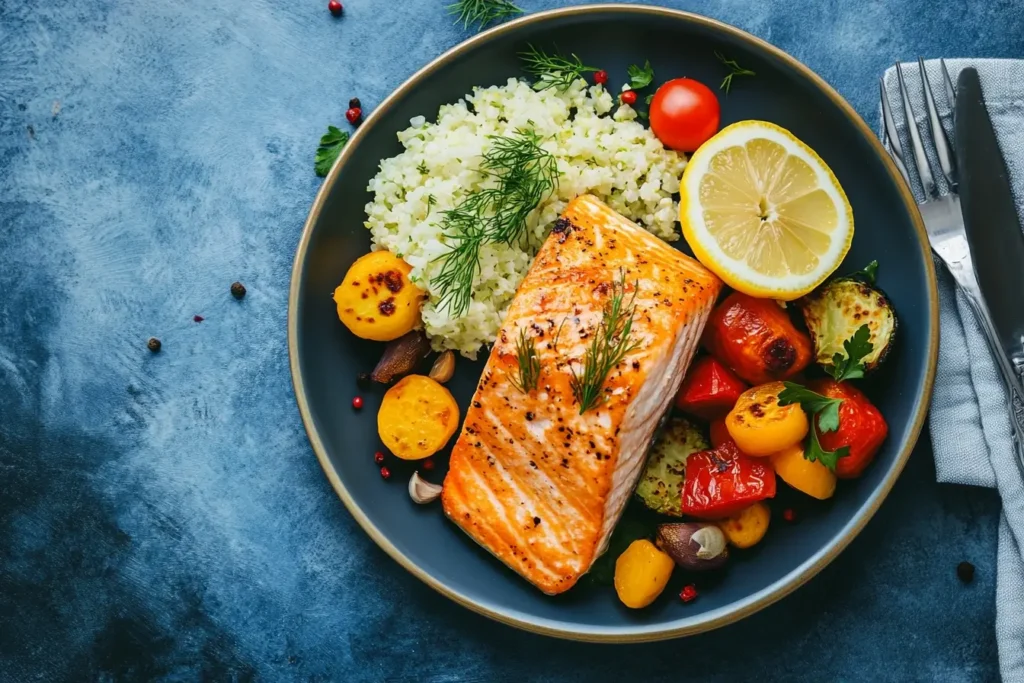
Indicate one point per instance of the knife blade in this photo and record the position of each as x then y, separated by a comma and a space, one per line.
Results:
990, 215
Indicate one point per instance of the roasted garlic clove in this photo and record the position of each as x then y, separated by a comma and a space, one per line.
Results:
443, 368
422, 491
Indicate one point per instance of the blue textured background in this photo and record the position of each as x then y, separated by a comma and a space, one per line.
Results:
162, 516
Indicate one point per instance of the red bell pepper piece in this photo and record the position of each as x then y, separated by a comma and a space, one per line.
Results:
722, 481
861, 427
709, 390
719, 433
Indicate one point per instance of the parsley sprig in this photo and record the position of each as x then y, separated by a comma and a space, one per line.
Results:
640, 76
824, 412
524, 175
330, 147
553, 70
529, 363
609, 344
482, 12
734, 70
850, 365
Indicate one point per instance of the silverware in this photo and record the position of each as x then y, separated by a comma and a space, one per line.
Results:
944, 222
990, 215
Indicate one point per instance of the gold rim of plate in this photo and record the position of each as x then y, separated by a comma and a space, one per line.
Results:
634, 633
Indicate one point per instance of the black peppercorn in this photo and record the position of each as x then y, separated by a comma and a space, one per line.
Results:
354, 103
363, 380
153, 344
965, 572
237, 290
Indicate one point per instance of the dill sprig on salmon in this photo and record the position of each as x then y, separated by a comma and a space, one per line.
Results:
611, 341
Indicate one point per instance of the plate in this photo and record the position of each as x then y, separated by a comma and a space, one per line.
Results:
325, 358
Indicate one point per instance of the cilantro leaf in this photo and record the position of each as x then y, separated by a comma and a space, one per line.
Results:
814, 452
640, 77
857, 348
329, 149
868, 272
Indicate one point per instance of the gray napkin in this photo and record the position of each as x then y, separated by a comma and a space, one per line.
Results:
969, 422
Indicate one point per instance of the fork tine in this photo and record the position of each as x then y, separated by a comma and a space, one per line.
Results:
947, 82
892, 135
924, 170
943, 149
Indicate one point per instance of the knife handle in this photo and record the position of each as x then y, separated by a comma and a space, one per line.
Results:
968, 283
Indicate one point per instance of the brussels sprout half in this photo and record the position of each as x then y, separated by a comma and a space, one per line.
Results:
662, 480
836, 310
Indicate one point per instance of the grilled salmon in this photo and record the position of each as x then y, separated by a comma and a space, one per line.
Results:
531, 479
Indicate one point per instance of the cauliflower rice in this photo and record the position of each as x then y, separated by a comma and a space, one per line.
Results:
613, 157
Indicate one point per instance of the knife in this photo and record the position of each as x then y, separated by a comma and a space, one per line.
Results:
990, 216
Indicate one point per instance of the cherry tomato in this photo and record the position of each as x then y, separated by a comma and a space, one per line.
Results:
861, 427
709, 390
722, 481
684, 114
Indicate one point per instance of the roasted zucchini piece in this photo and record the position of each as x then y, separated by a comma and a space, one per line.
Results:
662, 481
834, 311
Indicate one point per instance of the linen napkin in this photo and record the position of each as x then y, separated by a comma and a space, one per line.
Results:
969, 422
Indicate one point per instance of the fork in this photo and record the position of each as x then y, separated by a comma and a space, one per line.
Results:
944, 223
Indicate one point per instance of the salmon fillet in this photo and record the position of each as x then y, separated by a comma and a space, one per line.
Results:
531, 479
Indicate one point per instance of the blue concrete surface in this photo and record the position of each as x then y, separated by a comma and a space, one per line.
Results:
163, 517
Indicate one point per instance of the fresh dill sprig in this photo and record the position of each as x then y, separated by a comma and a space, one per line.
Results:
552, 70
529, 363
609, 344
482, 12
524, 175
734, 70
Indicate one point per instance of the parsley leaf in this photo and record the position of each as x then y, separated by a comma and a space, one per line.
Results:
867, 273
640, 77
824, 413
329, 149
648, 99
814, 452
857, 348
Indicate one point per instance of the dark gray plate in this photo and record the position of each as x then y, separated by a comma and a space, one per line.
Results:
325, 358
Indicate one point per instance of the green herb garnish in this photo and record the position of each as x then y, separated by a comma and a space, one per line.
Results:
529, 364
482, 12
648, 99
431, 202
868, 273
554, 70
734, 70
422, 168
609, 344
824, 412
329, 149
857, 348
640, 77
525, 174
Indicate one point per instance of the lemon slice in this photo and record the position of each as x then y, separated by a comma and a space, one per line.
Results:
763, 211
